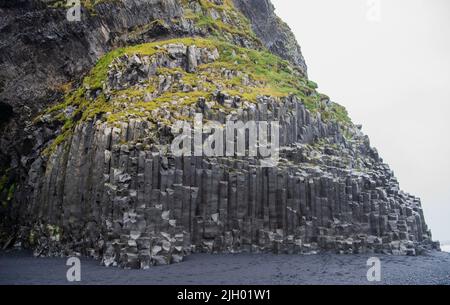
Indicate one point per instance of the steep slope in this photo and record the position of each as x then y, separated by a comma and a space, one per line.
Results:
102, 179
273, 32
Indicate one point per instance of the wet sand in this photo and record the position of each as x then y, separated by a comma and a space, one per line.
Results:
258, 269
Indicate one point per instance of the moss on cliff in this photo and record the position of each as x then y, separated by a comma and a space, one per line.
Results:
255, 73
223, 21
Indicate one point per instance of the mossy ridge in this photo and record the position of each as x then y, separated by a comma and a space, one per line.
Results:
99, 72
273, 77
239, 26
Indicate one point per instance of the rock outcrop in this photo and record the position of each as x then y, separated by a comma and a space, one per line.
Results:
99, 176
273, 32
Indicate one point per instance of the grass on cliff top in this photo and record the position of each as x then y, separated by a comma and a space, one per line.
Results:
280, 79
236, 23
275, 77
99, 73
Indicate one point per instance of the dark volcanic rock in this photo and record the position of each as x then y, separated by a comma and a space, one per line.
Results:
135, 207
82, 179
275, 34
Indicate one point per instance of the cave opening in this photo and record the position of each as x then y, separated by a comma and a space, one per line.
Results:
6, 113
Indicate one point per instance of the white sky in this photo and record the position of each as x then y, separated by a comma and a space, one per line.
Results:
393, 76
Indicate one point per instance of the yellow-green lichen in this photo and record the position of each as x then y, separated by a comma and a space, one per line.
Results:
54, 232
211, 17
253, 73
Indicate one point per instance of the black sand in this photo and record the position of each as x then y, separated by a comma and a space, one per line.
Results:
22, 268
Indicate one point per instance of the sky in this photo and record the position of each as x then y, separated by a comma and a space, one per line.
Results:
388, 63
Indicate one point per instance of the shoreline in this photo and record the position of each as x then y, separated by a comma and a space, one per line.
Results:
20, 267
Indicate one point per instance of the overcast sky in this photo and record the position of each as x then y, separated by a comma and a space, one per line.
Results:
391, 70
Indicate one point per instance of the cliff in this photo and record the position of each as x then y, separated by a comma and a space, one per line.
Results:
88, 109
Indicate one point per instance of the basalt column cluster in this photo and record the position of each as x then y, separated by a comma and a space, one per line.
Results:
135, 206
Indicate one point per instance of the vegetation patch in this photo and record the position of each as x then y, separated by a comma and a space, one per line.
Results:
250, 73
223, 22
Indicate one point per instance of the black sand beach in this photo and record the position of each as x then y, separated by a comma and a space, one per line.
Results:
259, 269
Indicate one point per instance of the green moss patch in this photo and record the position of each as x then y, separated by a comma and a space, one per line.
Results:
257, 73
236, 24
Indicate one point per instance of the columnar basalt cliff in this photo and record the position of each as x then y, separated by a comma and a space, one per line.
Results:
86, 139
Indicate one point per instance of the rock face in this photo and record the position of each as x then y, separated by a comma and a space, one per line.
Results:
101, 178
273, 32
142, 207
